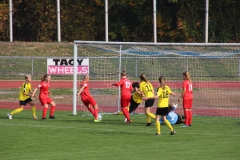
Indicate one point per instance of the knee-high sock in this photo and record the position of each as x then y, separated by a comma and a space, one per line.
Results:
168, 124
158, 127
126, 113
190, 116
16, 110
44, 113
52, 110
148, 119
152, 115
33, 111
95, 113
186, 117
91, 110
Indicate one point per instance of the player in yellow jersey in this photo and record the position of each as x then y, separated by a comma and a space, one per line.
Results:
163, 93
148, 91
136, 98
25, 98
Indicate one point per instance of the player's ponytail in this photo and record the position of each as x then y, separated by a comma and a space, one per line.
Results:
123, 73
143, 78
26, 76
85, 77
44, 77
187, 75
162, 81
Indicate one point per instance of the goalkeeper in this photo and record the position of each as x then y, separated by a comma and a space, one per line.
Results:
173, 117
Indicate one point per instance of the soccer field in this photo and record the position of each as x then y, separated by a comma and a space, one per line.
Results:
77, 137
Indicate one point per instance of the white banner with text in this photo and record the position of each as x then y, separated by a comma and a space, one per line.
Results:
65, 66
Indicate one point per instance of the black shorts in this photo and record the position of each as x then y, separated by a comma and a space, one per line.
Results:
133, 105
179, 120
149, 103
23, 103
162, 111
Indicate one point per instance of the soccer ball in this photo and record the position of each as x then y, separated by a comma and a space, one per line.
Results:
99, 117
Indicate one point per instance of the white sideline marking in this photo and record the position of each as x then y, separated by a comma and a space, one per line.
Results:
94, 129
58, 97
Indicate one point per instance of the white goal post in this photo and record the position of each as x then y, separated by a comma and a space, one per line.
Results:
205, 61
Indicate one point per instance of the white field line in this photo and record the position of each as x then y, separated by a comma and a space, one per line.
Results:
110, 130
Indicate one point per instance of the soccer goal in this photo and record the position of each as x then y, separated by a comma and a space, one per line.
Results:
214, 69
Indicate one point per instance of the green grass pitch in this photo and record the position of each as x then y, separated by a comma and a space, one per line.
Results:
77, 137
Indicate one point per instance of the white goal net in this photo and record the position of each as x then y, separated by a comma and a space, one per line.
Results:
214, 68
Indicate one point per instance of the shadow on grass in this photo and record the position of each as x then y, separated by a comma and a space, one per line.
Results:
17, 118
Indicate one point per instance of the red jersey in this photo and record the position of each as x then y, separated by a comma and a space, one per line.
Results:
188, 86
126, 86
43, 86
85, 92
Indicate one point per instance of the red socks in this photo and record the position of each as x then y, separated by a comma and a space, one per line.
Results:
188, 117
44, 113
91, 110
52, 110
95, 113
126, 113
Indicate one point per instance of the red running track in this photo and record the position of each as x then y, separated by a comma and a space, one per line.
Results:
97, 84
111, 109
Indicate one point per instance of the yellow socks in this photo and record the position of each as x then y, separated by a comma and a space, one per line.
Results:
158, 127
33, 111
148, 119
16, 110
120, 113
169, 125
151, 115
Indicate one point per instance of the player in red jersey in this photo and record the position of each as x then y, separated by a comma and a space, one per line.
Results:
126, 88
187, 98
87, 98
44, 96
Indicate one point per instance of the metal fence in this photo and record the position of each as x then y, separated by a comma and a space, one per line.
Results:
216, 79
220, 68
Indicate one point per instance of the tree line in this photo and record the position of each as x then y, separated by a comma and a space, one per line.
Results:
129, 20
